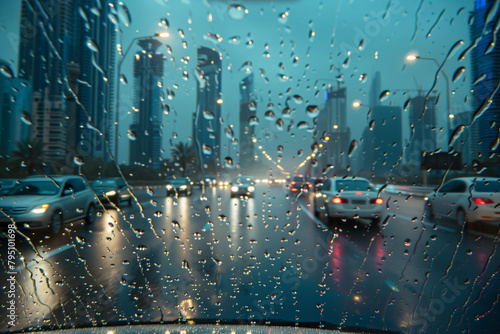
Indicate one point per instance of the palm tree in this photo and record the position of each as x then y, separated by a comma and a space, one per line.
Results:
28, 154
183, 154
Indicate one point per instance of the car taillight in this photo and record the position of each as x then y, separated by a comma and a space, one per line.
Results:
377, 200
339, 200
293, 182
482, 201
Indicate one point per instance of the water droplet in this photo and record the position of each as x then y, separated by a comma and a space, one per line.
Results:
407, 242
92, 45
80, 240
123, 79
228, 162
298, 99
124, 14
237, 12
458, 73
282, 77
407, 104
26, 118
361, 45
164, 22
113, 18
229, 132
283, 17
131, 135
302, 125
141, 247
185, 265
458, 131
372, 124
234, 40
253, 121
269, 115
384, 95
311, 34
469, 252
158, 214
312, 111
363, 77
6, 71
352, 147
279, 124
207, 149
78, 161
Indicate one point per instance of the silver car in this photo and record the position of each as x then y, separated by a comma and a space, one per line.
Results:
48, 202
243, 186
467, 199
348, 198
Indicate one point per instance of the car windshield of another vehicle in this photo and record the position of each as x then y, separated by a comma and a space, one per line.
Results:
35, 188
487, 187
306, 163
352, 185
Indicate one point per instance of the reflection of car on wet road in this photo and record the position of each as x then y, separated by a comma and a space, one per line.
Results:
41, 202
179, 186
348, 198
114, 190
467, 199
243, 186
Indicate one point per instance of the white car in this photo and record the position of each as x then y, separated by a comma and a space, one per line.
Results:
39, 202
467, 199
348, 198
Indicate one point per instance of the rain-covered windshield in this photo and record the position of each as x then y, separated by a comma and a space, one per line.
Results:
183, 100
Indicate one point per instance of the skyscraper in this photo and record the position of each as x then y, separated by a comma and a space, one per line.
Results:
148, 81
423, 122
95, 40
46, 35
248, 110
485, 60
207, 128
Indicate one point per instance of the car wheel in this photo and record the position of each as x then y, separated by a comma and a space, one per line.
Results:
430, 211
91, 215
56, 222
461, 217
129, 203
317, 214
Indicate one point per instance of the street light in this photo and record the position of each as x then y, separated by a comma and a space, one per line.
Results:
118, 79
412, 57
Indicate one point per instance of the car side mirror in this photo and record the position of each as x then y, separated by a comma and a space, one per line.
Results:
67, 192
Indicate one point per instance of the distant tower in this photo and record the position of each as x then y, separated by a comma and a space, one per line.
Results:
248, 110
148, 76
206, 123
96, 42
423, 120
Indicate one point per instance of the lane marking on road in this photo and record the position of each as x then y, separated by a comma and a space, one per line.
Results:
47, 256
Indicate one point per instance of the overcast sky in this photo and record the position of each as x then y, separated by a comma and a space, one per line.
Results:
390, 30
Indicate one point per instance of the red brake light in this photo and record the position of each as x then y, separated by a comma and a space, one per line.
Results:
482, 201
339, 200
359, 193
377, 200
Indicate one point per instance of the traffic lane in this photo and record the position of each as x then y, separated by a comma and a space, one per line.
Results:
409, 263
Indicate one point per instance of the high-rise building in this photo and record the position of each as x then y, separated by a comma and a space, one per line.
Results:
248, 110
485, 60
46, 35
15, 112
207, 125
423, 123
382, 138
95, 38
332, 130
148, 81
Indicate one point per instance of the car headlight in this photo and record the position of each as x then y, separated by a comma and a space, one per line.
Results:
111, 193
251, 189
234, 188
40, 209
183, 187
169, 187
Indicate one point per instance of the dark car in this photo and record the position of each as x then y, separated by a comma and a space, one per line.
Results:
243, 186
179, 186
112, 190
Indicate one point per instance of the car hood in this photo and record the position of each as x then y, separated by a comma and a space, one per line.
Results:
26, 200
